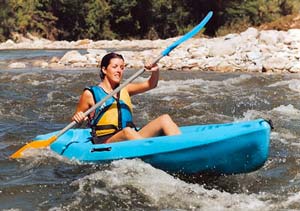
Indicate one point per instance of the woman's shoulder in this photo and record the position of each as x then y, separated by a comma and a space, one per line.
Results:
94, 88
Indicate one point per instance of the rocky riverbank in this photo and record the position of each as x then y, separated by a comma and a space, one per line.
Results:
251, 51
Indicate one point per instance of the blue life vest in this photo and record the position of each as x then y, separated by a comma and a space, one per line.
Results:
114, 115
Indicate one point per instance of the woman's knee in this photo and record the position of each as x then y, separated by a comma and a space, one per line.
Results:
130, 133
165, 119
168, 126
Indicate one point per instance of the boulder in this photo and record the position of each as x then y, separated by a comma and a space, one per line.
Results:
72, 57
56, 66
222, 48
9, 44
295, 67
270, 37
40, 63
276, 62
250, 34
17, 65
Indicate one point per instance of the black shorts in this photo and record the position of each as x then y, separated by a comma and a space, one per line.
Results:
101, 139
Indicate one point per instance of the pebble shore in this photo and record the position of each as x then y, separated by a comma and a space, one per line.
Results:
250, 51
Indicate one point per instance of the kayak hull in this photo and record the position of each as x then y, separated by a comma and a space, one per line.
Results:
228, 148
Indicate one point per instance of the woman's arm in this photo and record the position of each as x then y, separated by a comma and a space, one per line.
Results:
85, 102
136, 88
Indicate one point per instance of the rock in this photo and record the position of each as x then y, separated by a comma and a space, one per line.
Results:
269, 37
91, 60
32, 37
40, 44
250, 34
40, 63
293, 35
19, 38
72, 57
56, 66
222, 48
54, 60
257, 67
9, 44
96, 52
254, 55
198, 52
251, 50
275, 63
61, 45
83, 42
17, 65
295, 68
212, 62
78, 64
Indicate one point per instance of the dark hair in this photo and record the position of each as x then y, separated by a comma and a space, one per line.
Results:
106, 60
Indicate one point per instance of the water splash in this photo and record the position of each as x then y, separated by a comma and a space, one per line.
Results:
127, 179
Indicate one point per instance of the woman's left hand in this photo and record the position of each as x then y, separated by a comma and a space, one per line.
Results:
151, 67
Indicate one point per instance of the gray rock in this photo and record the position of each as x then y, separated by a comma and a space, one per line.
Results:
17, 65
72, 57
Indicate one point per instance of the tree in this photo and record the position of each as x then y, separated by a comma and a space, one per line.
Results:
256, 11
126, 19
198, 9
31, 16
71, 18
97, 20
168, 17
121, 19
6, 21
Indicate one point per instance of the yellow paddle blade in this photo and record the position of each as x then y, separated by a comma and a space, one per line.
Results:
34, 144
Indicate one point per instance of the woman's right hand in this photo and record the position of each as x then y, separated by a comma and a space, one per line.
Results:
79, 117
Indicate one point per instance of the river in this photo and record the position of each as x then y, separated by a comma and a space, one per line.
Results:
35, 101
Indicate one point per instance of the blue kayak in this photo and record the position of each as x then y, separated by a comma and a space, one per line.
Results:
228, 148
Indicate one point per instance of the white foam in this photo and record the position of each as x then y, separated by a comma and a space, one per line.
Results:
182, 86
162, 189
249, 115
288, 110
292, 201
237, 80
187, 86
35, 157
35, 83
280, 83
51, 95
20, 76
293, 84
280, 137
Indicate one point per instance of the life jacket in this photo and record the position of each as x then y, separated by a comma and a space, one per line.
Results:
114, 115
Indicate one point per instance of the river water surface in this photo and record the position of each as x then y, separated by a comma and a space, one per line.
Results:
35, 101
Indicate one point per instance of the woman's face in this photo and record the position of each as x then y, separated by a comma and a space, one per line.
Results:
114, 71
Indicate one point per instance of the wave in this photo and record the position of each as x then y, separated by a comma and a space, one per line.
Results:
293, 84
288, 110
188, 86
132, 182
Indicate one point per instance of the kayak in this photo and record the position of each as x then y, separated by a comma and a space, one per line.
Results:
228, 148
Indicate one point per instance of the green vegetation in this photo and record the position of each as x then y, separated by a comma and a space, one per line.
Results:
240, 14
134, 19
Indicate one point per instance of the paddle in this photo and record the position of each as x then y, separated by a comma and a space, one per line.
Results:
45, 143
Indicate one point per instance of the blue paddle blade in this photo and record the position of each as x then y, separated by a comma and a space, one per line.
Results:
188, 35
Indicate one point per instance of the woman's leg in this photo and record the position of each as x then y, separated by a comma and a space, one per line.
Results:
162, 125
127, 133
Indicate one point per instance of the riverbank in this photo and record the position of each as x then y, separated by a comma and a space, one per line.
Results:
250, 51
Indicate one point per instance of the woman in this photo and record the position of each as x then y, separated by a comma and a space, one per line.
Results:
112, 121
